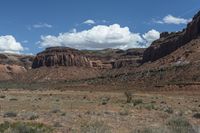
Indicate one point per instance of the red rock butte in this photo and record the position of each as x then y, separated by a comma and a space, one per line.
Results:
61, 56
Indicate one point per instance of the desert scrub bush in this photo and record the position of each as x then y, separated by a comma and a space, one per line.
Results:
56, 110
124, 112
32, 116
168, 110
20, 127
196, 115
149, 106
179, 125
128, 95
105, 100
137, 102
10, 114
95, 127
13, 99
2, 96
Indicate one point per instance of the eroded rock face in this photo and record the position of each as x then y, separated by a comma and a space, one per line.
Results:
169, 42
60, 56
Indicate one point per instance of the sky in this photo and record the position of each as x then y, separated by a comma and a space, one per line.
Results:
29, 26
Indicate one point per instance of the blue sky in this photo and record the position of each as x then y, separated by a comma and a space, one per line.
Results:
29, 22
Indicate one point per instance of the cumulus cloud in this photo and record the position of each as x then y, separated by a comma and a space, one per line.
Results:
89, 22
169, 19
100, 37
42, 25
8, 44
151, 36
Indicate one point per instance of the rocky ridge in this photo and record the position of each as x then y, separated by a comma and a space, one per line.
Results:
170, 42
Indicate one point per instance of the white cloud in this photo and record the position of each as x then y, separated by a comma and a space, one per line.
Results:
89, 21
100, 37
25, 41
42, 25
169, 19
151, 36
8, 44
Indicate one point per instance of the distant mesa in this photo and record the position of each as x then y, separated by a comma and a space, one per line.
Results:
60, 56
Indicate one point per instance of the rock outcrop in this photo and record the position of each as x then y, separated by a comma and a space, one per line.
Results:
61, 56
14, 59
170, 42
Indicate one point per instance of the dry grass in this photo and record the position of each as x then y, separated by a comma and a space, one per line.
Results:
102, 111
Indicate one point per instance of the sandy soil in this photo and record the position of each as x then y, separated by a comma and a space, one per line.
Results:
71, 111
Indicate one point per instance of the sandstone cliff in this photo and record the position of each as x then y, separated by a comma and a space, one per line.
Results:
61, 56
169, 42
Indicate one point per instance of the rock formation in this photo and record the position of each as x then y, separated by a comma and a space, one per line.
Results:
169, 42
61, 56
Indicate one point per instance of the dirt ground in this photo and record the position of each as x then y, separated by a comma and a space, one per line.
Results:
72, 111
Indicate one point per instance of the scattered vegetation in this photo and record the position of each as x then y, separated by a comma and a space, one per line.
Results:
174, 125
95, 127
151, 130
19, 127
179, 125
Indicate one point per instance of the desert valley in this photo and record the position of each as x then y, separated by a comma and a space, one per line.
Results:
138, 90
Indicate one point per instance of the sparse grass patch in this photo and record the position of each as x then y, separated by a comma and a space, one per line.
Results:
95, 127
173, 125
19, 127
179, 125
151, 130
